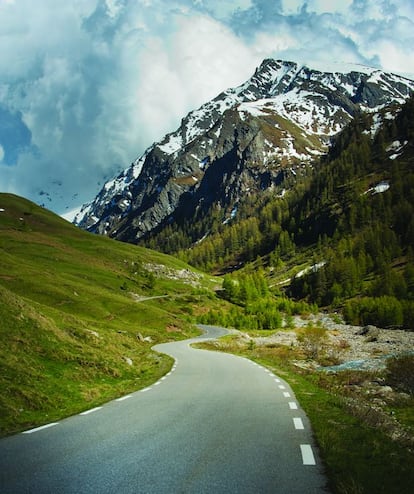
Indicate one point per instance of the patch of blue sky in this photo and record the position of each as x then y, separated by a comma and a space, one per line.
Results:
15, 137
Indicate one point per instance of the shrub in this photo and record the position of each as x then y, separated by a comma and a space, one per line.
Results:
400, 373
312, 340
408, 313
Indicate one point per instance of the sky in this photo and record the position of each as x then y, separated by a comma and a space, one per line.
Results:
87, 85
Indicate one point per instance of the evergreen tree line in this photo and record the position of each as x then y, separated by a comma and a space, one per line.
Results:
385, 311
365, 238
328, 206
373, 233
259, 227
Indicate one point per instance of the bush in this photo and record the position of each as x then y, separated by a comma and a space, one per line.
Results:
408, 313
312, 340
400, 373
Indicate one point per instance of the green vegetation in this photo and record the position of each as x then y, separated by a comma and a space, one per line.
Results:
79, 313
364, 449
77, 321
253, 305
400, 373
360, 237
335, 240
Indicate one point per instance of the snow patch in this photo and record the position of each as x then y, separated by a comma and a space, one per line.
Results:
233, 214
376, 125
172, 145
204, 162
310, 269
379, 188
338, 67
397, 147
72, 214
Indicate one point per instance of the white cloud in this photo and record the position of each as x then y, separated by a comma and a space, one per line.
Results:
119, 78
97, 81
296, 40
395, 57
186, 69
406, 9
279, 42
292, 6
1, 153
205, 53
114, 7
331, 6
374, 32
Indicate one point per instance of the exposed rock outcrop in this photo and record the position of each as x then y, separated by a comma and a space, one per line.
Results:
246, 140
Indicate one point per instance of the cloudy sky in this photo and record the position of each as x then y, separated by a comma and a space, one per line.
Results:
87, 85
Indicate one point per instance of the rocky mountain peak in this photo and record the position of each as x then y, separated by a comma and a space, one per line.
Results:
247, 139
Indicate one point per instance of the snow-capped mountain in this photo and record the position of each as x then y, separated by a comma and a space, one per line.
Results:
245, 140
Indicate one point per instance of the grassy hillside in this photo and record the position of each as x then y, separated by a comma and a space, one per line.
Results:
77, 321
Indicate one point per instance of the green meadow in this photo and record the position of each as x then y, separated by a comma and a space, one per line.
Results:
79, 314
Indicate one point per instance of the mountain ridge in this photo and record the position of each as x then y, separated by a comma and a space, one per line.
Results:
247, 139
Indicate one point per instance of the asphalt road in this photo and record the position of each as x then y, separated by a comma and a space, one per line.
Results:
215, 424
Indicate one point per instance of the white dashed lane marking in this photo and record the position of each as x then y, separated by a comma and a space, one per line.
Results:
92, 410
307, 454
37, 429
123, 398
297, 422
308, 457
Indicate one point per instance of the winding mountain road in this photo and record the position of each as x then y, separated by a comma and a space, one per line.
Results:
216, 423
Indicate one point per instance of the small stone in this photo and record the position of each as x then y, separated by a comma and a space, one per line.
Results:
385, 390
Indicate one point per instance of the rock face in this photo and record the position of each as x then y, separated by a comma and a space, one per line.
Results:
248, 139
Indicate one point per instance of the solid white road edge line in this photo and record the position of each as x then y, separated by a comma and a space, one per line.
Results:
36, 429
92, 410
307, 454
